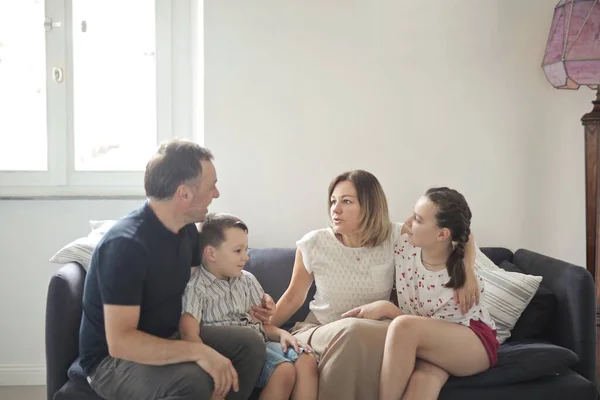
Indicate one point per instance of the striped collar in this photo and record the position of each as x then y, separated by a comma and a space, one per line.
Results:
208, 278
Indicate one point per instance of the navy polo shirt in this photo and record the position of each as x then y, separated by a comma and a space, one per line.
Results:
138, 262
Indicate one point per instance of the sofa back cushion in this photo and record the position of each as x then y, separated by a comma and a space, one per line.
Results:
536, 317
273, 269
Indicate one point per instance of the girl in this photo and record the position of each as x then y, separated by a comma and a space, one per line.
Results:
430, 338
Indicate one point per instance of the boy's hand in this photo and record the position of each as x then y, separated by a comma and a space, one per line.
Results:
286, 339
221, 369
265, 311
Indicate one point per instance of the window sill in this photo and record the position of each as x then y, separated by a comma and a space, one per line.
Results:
71, 193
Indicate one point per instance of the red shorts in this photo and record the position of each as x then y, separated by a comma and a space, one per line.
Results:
488, 337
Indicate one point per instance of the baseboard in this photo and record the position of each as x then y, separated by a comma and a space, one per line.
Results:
22, 375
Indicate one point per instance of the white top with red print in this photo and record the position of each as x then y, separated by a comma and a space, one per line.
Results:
421, 292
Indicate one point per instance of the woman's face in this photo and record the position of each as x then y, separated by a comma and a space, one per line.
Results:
345, 209
423, 230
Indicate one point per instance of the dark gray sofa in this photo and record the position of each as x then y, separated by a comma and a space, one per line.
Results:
557, 363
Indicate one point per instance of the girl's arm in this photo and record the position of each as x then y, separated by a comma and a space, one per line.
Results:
468, 295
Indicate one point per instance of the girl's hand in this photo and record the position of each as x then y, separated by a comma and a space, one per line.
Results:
377, 310
467, 296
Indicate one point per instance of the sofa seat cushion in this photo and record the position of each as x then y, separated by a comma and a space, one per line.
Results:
567, 385
521, 361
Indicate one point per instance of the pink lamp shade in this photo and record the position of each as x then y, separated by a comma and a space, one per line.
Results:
572, 55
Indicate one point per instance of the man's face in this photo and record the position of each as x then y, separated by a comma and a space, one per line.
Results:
204, 190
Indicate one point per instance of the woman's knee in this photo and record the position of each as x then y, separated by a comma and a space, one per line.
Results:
361, 330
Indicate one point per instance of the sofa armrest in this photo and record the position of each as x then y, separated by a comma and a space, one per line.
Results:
574, 323
63, 316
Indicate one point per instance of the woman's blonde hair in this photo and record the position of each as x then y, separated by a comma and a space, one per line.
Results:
374, 220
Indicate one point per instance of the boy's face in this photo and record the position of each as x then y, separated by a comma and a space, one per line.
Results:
231, 256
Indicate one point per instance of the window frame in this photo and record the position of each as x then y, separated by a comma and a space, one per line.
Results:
179, 56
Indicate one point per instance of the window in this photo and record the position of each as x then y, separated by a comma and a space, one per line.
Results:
22, 86
114, 84
87, 91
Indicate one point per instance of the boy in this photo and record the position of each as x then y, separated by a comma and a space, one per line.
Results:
220, 293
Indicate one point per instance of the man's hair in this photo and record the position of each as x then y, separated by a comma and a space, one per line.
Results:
374, 221
212, 231
176, 162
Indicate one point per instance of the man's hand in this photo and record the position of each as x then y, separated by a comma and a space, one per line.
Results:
221, 370
467, 296
265, 311
286, 339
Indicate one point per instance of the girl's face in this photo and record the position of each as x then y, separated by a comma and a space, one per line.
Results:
423, 230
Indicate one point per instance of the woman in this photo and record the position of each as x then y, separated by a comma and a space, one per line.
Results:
352, 265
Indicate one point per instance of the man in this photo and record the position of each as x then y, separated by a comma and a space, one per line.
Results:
132, 296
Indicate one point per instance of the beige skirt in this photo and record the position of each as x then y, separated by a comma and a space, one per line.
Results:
349, 352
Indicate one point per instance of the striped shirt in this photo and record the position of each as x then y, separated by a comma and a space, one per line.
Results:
219, 302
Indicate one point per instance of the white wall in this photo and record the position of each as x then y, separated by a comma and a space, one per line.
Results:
30, 233
450, 93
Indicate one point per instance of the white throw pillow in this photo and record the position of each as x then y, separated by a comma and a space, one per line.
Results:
507, 294
80, 250
101, 227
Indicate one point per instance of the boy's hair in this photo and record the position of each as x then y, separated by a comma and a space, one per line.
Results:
212, 231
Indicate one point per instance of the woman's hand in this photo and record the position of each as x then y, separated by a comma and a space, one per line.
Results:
286, 339
377, 310
467, 296
265, 311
